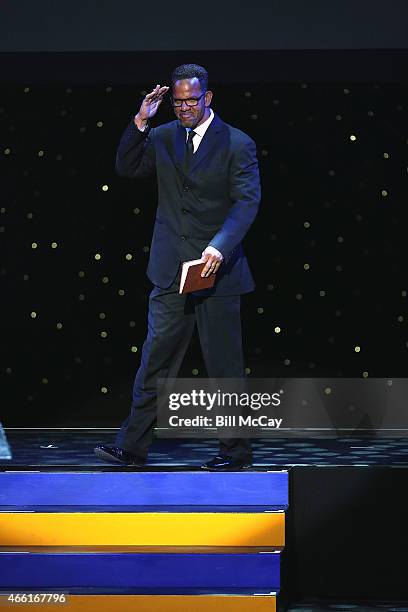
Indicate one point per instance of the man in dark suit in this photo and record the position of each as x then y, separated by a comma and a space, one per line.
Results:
208, 196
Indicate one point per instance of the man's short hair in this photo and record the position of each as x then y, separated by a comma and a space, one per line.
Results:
189, 71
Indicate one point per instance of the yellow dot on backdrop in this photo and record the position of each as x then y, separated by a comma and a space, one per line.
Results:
247, 370
357, 349
81, 273
365, 374
105, 187
260, 310
102, 315
322, 293
34, 245
59, 325
104, 334
105, 279
134, 349
40, 153
98, 256
54, 245
99, 124
327, 390
277, 330
384, 192
287, 362
400, 319
33, 315
194, 372
306, 224
386, 155
306, 266
128, 256
104, 389
353, 138
7, 151
121, 292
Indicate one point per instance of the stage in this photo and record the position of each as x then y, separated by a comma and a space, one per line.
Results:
317, 524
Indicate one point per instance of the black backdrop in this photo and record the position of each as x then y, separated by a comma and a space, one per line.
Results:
328, 249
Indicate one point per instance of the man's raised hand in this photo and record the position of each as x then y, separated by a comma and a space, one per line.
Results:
151, 103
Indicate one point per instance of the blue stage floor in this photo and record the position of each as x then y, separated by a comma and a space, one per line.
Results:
74, 447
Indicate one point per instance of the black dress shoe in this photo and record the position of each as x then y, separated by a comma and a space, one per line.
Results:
118, 455
223, 464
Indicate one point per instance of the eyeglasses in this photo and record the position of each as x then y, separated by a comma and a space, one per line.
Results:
188, 101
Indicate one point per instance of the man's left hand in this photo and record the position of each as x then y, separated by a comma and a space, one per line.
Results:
213, 259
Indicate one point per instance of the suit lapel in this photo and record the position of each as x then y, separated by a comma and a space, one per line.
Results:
210, 140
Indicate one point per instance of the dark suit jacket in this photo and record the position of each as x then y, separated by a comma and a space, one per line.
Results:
213, 204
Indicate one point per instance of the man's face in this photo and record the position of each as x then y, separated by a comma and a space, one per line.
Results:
191, 116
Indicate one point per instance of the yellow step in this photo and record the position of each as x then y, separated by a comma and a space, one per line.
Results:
154, 603
142, 528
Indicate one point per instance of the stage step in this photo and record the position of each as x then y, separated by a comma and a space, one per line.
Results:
197, 602
140, 567
144, 488
114, 540
165, 528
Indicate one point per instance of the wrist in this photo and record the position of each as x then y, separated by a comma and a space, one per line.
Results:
139, 122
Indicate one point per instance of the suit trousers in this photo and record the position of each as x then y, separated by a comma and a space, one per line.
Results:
171, 321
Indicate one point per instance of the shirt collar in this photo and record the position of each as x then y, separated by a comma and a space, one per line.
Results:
201, 129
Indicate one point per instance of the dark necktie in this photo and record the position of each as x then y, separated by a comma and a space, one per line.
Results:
189, 150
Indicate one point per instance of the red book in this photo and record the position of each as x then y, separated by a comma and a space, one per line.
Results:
191, 279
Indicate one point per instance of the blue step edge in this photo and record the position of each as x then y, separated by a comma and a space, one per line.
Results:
144, 488
141, 549
166, 591
139, 570
119, 508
